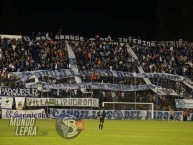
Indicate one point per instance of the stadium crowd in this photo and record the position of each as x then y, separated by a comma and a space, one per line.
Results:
18, 55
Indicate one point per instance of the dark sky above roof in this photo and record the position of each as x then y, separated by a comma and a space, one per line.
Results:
86, 17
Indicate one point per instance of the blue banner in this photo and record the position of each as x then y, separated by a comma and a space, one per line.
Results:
117, 114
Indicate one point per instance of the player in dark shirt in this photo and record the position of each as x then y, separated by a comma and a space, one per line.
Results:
171, 114
101, 114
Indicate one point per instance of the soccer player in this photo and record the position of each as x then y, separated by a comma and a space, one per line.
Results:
101, 114
171, 114
185, 117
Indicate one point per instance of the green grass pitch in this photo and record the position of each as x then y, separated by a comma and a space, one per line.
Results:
116, 132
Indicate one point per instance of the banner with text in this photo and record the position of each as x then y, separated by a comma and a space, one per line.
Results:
39, 113
80, 102
20, 92
67, 73
45, 87
94, 85
58, 74
112, 40
116, 114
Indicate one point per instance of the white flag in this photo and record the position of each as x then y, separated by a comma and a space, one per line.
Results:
6, 102
19, 101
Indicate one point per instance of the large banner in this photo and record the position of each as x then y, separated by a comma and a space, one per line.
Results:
43, 86
67, 73
116, 114
7, 114
184, 103
129, 40
80, 102
6, 102
94, 85
22, 92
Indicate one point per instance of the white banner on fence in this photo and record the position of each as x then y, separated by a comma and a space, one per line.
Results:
116, 114
6, 102
190, 116
184, 103
39, 113
30, 92
19, 102
80, 102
